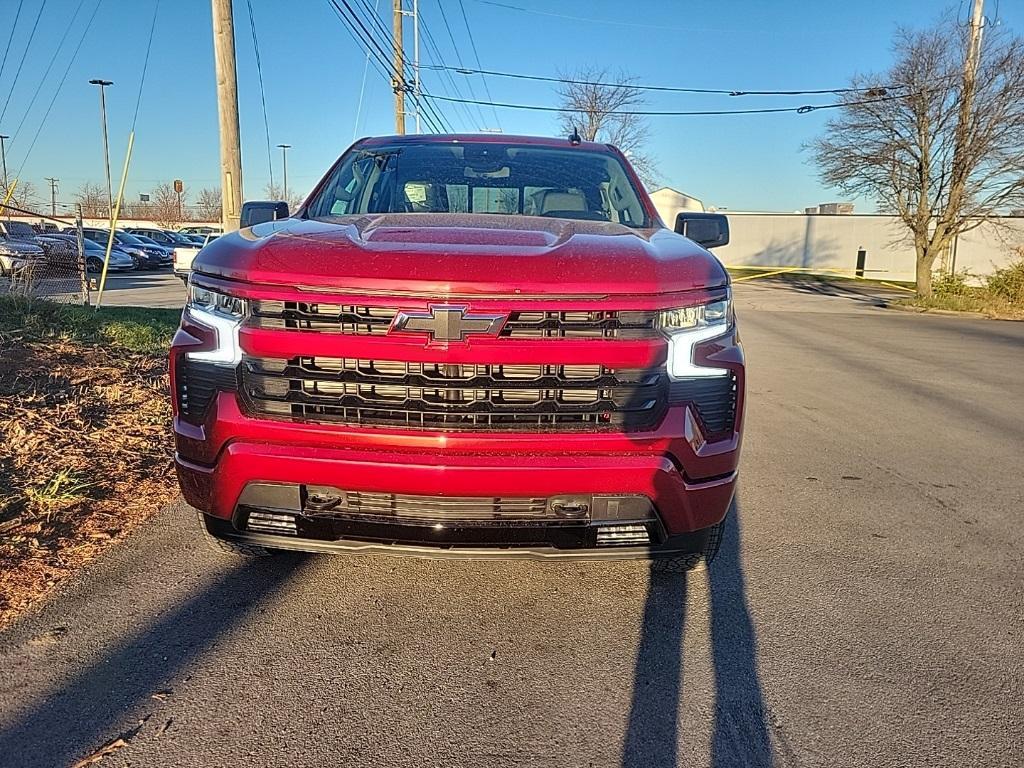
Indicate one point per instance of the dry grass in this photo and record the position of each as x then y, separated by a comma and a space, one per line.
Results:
1000, 295
85, 453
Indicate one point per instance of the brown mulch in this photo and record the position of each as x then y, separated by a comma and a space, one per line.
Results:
85, 456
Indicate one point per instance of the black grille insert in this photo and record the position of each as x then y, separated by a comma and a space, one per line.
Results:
361, 320
197, 383
713, 398
443, 396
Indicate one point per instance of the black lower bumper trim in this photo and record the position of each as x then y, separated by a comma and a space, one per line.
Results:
689, 543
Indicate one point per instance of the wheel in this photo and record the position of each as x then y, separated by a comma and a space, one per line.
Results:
687, 562
93, 266
234, 548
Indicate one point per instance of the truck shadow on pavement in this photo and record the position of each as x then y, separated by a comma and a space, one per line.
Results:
740, 736
110, 696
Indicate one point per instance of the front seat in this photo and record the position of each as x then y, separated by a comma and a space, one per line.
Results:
551, 202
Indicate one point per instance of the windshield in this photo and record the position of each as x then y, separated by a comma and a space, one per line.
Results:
126, 239
20, 229
482, 178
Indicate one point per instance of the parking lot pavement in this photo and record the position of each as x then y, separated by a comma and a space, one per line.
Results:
866, 608
143, 289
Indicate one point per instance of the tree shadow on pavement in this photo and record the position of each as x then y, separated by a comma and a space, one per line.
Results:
740, 738
91, 707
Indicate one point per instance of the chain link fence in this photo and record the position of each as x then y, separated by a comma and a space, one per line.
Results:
46, 260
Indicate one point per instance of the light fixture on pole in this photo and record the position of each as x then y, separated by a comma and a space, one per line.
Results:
106, 146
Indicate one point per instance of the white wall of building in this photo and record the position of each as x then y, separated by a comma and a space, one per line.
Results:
832, 242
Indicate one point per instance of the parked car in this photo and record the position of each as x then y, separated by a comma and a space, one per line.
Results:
16, 254
61, 259
184, 255
159, 236
463, 346
201, 230
95, 254
146, 256
149, 242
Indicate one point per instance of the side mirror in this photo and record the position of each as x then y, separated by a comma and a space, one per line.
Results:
259, 211
709, 230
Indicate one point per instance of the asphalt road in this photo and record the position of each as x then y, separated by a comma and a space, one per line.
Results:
866, 610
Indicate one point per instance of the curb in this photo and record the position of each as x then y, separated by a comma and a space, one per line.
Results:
950, 313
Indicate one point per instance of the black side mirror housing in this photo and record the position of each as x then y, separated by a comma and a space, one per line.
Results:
708, 230
259, 211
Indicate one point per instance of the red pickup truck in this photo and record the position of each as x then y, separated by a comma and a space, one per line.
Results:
477, 346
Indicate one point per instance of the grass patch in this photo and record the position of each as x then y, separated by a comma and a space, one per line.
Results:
136, 329
85, 448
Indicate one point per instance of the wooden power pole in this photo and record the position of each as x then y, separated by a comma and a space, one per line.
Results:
398, 78
227, 113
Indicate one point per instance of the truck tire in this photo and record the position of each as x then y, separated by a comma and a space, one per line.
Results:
687, 562
235, 548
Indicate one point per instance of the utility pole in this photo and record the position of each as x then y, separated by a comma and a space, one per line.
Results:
398, 77
284, 162
227, 113
106, 146
416, 60
3, 154
53, 196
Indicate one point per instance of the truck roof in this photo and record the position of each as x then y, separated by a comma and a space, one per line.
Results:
477, 138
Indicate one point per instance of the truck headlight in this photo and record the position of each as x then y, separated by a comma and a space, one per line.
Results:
688, 326
223, 314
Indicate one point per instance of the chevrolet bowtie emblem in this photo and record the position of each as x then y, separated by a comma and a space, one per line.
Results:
446, 322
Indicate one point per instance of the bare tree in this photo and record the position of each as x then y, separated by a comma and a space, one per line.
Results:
593, 103
93, 199
275, 192
208, 205
24, 195
911, 144
165, 209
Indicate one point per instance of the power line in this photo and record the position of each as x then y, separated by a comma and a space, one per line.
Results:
263, 95
694, 113
476, 56
434, 52
53, 60
614, 22
382, 29
365, 39
145, 64
458, 58
24, 53
362, 84
60, 85
10, 37
663, 88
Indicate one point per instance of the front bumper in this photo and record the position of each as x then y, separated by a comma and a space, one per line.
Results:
688, 477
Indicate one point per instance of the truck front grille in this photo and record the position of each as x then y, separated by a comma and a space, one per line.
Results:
456, 397
360, 320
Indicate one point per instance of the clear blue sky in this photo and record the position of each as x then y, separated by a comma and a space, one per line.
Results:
313, 70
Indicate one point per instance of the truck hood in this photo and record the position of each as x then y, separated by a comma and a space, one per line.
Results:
463, 254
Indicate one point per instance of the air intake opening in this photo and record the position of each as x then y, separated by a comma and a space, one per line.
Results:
623, 535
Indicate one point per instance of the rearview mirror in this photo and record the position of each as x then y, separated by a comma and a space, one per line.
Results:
259, 211
708, 230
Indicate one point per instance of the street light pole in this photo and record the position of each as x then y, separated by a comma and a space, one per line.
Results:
3, 154
284, 162
106, 146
